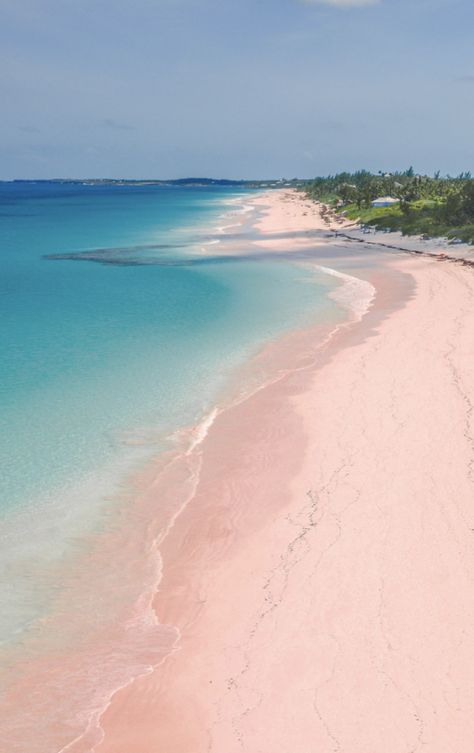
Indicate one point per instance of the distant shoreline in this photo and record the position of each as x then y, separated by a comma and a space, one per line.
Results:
184, 182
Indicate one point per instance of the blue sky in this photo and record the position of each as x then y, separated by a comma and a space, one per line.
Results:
234, 88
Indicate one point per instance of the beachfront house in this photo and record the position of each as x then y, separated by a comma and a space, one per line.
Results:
385, 201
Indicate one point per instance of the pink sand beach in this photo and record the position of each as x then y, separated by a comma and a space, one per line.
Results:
316, 588
322, 576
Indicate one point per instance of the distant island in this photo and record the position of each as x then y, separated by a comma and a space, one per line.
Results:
193, 182
402, 201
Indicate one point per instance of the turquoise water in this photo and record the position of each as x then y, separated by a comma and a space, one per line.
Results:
100, 361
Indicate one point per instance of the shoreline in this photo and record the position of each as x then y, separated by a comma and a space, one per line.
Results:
355, 297
159, 470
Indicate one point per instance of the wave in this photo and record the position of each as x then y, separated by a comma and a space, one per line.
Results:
354, 294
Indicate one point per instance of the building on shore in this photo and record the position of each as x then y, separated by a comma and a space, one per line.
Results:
385, 201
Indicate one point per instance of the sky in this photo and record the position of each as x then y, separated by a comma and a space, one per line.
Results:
234, 88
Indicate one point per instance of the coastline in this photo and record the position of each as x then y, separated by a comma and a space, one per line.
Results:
279, 570
351, 230
321, 594
122, 645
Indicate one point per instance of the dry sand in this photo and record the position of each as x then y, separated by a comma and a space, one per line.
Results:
322, 576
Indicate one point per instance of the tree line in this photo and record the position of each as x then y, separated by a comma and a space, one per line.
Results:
451, 198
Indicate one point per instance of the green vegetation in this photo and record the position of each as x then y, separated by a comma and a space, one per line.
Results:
432, 206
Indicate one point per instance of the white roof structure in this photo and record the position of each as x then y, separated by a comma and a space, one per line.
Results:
385, 201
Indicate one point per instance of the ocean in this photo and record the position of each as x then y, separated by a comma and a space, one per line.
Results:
120, 326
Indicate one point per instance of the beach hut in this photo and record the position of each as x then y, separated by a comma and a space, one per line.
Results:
385, 201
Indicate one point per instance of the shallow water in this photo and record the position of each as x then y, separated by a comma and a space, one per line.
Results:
100, 362
121, 326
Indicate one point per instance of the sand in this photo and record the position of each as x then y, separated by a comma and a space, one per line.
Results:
322, 575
